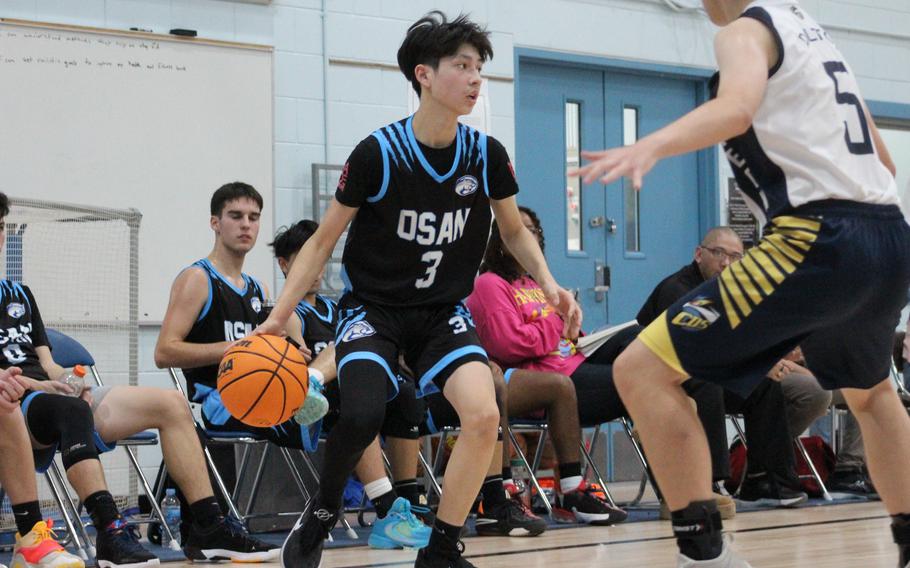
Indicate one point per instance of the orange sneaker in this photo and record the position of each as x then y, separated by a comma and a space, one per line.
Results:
38, 549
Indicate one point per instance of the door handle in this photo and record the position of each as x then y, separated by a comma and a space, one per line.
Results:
601, 281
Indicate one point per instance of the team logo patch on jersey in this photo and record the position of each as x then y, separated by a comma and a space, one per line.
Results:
15, 310
358, 330
343, 179
696, 315
466, 185
256, 304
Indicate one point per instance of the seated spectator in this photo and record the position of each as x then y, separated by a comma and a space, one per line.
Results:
520, 330
771, 473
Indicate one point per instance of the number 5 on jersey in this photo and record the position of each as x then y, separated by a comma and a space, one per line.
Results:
433, 258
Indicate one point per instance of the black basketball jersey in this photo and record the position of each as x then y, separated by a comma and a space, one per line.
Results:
424, 214
229, 314
21, 330
317, 323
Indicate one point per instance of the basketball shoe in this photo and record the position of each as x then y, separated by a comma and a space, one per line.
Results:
303, 546
38, 549
451, 558
227, 540
315, 405
118, 546
399, 528
509, 518
727, 559
589, 505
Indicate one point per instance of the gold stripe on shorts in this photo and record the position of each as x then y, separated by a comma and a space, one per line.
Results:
656, 337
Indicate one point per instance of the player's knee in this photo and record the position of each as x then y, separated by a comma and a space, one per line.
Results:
360, 428
77, 427
174, 405
564, 387
483, 421
624, 374
865, 401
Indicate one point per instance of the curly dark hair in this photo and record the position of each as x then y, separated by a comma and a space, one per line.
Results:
433, 37
497, 258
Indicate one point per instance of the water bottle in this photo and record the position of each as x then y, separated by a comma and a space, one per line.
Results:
170, 507
75, 380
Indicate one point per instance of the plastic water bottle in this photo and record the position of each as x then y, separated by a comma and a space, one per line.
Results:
170, 507
75, 380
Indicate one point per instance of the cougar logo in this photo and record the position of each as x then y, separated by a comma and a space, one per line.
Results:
256, 304
696, 315
15, 310
358, 330
466, 185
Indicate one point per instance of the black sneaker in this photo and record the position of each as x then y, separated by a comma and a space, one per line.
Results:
762, 489
442, 559
589, 504
851, 481
227, 540
117, 546
424, 513
904, 556
303, 547
509, 518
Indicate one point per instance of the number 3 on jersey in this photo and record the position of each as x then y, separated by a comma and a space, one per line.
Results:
848, 98
433, 258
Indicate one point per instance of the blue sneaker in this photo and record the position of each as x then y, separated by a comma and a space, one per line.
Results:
400, 528
315, 406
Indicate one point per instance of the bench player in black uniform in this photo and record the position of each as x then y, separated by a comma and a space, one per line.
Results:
830, 273
316, 318
82, 426
417, 194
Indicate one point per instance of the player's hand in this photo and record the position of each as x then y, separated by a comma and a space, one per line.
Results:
52, 387
270, 327
779, 370
305, 351
565, 304
608, 166
12, 387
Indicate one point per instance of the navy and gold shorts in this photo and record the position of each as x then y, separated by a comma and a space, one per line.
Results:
832, 278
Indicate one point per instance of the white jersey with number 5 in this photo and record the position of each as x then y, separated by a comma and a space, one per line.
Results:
810, 139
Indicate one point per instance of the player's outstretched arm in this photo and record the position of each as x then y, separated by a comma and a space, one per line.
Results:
745, 51
310, 260
188, 296
526, 250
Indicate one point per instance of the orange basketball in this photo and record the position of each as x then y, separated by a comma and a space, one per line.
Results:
263, 380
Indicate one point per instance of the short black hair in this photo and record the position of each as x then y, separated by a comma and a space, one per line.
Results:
290, 240
433, 37
4, 205
230, 192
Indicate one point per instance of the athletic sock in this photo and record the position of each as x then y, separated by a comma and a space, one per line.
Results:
206, 512
443, 539
492, 491
698, 530
569, 476
900, 529
100, 505
27, 516
381, 494
408, 489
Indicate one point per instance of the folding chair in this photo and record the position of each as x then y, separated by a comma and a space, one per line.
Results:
800, 447
247, 440
68, 352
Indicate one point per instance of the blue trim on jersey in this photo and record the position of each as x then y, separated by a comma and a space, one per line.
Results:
391, 136
101, 445
15, 291
425, 385
207, 264
345, 323
470, 144
401, 134
482, 145
384, 151
507, 376
208, 301
212, 407
423, 161
369, 356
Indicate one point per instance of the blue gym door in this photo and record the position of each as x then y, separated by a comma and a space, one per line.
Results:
611, 244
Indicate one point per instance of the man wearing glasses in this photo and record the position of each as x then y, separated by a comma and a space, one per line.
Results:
771, 476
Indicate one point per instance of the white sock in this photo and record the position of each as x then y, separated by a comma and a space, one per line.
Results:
568, 484
317, 374
378, 488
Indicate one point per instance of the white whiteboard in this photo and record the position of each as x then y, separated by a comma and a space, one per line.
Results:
134, 120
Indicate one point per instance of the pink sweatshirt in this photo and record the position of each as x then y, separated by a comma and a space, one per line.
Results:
518, 327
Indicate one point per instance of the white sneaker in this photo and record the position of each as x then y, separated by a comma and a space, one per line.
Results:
727, 559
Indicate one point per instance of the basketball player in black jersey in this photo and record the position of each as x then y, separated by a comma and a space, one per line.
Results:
397, 507
417, 195
35, 547
86, 423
